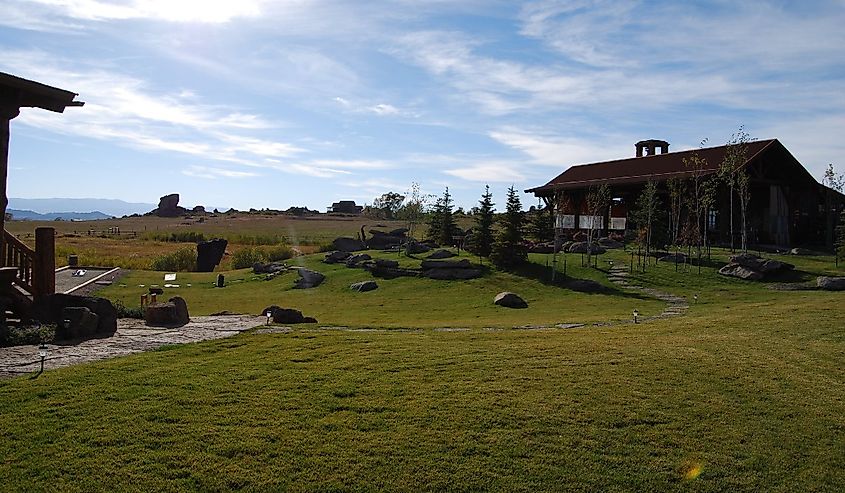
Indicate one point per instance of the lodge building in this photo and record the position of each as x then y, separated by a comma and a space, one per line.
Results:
787, 206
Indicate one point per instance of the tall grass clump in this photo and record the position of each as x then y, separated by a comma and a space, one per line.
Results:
182, 260
279, 252
257, 239
176, 237
247, 257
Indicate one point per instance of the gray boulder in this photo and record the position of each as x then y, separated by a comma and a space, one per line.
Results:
759, 264
269, 268
336, 257
414, 247
509, 300
740, 271
356, 259
308, 278
441, 254
48, 309
346, 244
831, 283
383, 241
383, 263
281, 315
581, 247
174, 313
803, 251
363, 286
78, 322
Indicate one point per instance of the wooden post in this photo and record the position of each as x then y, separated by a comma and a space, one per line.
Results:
44, 268
7, 112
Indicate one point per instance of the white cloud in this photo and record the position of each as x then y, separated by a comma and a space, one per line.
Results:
498, 172
560, 151
213, 173
201, 11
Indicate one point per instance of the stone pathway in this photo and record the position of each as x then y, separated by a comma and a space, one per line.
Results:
675, 305
132, 336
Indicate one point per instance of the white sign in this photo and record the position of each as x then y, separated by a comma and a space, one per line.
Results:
617, 223
587, 222
565, 221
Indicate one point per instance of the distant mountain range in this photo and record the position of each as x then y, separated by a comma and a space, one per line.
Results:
22, 215
105, 207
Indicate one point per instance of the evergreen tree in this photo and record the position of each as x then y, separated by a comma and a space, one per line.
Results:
481, 240
441, 225
508, 249
542, 226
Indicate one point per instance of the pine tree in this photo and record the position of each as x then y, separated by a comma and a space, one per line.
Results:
542, 227
481, 241
508, 249
441, 226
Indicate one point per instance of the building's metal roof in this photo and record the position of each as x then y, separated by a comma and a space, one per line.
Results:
20, 92
635, 170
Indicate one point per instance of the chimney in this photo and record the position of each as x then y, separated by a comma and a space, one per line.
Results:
650, 146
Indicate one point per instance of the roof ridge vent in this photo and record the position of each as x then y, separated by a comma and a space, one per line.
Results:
650, 146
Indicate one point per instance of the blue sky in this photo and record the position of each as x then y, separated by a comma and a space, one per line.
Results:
253, 103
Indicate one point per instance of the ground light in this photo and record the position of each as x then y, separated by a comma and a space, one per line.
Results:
636, 316
269, 316
695, 297
42, 353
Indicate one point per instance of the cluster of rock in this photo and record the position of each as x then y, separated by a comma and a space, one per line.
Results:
172, 313
753, 268
76, 317
281, 315
433, 267
307, 278
380, 240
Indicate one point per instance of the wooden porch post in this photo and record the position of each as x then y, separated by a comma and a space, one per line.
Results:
44, 268
7, 112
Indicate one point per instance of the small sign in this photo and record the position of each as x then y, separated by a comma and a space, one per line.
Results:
565, 221
170, 277
617, 222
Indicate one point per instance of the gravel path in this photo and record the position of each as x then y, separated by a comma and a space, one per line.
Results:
675, 305
132, 336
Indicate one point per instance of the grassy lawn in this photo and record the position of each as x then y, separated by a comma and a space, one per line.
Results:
401, 302
753, 403
744, 393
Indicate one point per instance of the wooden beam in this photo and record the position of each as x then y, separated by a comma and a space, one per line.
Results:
44, 268
7, 112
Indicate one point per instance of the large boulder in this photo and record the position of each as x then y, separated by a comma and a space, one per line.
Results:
356, 259
414, 247
346, 244
269, 268
383, 241
308, 278
581, 247
759, 264
509, 300
363, 286
831, 283
281, 315
336, 257
78, 322
742, 272
441, 254
210, 253
49, 309
173, 313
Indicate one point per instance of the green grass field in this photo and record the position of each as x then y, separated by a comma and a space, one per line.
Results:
746, 392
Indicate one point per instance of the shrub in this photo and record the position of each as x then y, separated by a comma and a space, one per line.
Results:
184, 259
27, 334
279, 252
247, 257
124, 311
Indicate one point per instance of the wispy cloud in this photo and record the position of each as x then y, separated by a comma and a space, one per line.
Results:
212, 173
202, 11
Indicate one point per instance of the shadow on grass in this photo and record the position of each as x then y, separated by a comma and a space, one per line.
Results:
542, 274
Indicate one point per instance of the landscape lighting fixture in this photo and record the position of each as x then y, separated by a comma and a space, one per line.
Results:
42, 353
636, 316
269, 316
695, 297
